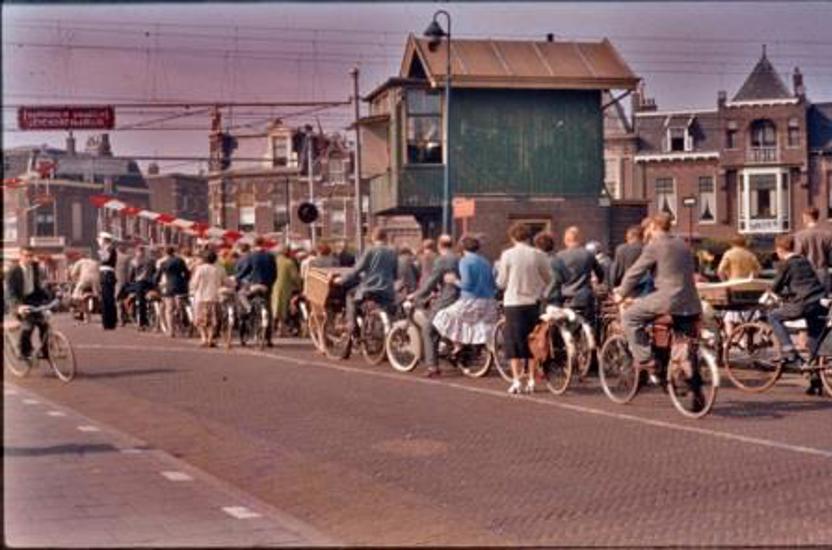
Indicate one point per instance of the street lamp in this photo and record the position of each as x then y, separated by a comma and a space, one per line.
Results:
436, 33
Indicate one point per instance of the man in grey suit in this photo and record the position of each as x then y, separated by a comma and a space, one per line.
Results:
671, 262
445, 267
815, 244
374, 277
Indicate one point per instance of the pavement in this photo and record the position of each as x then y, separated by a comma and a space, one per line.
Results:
368, 456
72, 482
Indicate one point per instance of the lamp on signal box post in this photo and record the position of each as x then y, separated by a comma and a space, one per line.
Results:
436, 33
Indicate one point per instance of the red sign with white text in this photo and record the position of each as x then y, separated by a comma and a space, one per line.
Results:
66, 117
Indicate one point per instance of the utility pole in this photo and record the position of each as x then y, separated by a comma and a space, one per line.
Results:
311, 179
359, 237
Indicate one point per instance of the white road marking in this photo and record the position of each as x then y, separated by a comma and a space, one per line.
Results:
240, 512
9, 392
30, 401
132, 451
283, 359
56, 413
88, 429
177, 476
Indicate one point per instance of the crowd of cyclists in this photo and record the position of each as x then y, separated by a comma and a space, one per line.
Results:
253, 291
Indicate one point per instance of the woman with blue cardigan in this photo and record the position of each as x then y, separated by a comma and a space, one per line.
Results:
471, 319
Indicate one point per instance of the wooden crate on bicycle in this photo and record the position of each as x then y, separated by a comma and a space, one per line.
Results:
317, 289
740, 293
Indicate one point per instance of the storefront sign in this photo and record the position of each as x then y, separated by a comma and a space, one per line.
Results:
464, 208
66, 117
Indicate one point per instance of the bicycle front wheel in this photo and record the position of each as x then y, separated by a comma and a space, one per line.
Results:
752, 357
18, 366
475, 360
372, 339
61, 356
336, 337
694, 393
404, 346
497, 350
617, 370
557, 369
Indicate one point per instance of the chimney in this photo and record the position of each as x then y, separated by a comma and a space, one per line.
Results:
550, 37
70, 144
797, 82
153, 169
104, 148
721, 98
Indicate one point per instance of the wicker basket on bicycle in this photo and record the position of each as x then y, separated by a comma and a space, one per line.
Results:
320, 293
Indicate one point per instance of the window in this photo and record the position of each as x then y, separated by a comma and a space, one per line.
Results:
44, 224
281, 216
338, 222
337, 172
731, 138
763, 134
246, 211
763, 195
793, 136
707, 200
280, 151
666, 196
678, 139
77, 221
10, 228
611, 177
424, 127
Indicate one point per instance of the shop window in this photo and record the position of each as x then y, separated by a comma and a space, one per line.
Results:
763, 195
707, 200
666, 196
424, 127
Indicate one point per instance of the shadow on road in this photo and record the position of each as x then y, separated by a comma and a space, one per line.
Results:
770, 410
66, 449
126, 373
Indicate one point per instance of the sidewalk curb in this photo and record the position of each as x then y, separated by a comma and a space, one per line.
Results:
312, 536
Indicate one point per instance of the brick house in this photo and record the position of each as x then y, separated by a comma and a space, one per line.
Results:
181, 195
262, 196
750, 165
526, 134
46, 197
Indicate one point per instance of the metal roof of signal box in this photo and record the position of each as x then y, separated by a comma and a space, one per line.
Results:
521, 64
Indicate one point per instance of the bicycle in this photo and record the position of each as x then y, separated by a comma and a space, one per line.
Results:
571, 348
753, 359
684, 368
180, 318
227, 317
404, 346
372, 324
52, 345
256, 320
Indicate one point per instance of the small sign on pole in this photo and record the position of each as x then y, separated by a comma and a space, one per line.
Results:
464, 209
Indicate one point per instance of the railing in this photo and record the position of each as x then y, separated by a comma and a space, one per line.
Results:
763, 154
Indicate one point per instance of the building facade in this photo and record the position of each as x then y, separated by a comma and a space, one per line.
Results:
270, 174
750, 165
181, 195
46, 197
525, 136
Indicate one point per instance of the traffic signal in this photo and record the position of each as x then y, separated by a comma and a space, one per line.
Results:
228, 144
307, 212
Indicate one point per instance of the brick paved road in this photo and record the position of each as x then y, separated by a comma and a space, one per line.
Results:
373, 457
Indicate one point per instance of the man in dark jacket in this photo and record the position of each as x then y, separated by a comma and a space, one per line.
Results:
374, 277
259, 269
440, 280
800, 288
625, 255
141, 274
172, 280
25, 288
580, 265
815, 244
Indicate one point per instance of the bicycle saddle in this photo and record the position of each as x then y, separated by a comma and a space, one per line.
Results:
257, 289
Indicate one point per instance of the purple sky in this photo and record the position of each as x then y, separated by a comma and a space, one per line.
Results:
285, 52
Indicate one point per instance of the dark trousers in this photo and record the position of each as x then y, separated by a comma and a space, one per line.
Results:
815, 315
354, 301
27, 327
140, 290
109, 311
430, 341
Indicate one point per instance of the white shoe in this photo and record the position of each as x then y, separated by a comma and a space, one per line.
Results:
515, 388
530, 385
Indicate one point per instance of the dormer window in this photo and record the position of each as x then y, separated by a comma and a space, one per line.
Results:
679, 139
